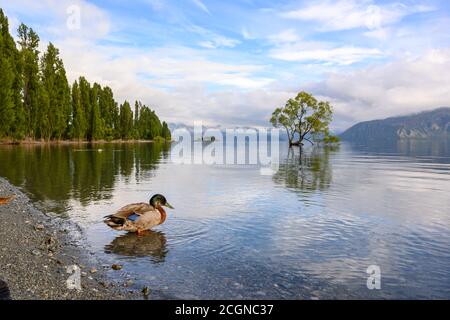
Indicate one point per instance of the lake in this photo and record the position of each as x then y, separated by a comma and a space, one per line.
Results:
309, 231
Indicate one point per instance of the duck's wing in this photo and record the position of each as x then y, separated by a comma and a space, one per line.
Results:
137, 208
132, 212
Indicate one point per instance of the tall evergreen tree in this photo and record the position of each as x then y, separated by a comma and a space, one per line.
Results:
116, 120
6, 96
165, 132
9, 75
44, 128
126, 121
11, 55
149, 125
29, 56
136, 126
96, 120
155, 126
36, 100
79, 125
85, 100
108, 111
144, 123
55, 84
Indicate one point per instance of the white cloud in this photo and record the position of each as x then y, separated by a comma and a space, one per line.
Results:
246, 34
207, 44
350, 14
201, 5
339, 55
94, 24
401, 87
162, 67
213, 40
219, 42
175, 82
285, 36
379, 34
184, 84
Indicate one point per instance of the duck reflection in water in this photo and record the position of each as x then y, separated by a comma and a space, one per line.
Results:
149, 243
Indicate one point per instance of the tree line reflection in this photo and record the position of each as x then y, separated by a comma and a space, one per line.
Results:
58, 173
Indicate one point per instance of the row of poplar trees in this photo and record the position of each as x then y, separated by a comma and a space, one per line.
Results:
36, 101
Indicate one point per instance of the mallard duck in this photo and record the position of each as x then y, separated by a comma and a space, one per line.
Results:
6, 200
138, 217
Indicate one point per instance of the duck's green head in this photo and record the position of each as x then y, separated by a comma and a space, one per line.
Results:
159, 200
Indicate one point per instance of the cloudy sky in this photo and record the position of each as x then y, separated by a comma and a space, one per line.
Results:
233, 62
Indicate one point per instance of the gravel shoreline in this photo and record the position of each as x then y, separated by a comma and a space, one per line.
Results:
36, 250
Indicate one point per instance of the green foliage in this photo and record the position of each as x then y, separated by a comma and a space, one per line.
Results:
126, 121
108, 111
159, 139
8, 78
12, 55
79, 123
306, 118
37, 102
147, 124
6, 96
54, 82
330, 139
97, 123
165, 132
29, 58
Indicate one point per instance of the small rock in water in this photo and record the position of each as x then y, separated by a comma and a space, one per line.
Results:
129, 283
145, 291
93, 270
116, 267
50, 242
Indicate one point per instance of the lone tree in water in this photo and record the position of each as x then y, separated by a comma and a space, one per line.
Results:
305, 118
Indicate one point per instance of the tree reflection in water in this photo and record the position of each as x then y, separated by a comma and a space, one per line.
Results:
55, 174
306, 170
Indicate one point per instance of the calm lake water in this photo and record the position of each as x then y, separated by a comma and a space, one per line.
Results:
309, 231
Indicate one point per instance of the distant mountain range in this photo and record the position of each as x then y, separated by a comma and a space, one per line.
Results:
424, 125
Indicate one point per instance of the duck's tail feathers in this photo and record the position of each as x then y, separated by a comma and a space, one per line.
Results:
4, 291
114, 221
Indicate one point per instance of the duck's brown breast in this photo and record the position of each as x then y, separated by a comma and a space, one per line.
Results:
162, 213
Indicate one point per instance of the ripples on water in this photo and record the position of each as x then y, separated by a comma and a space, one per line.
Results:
310, 230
